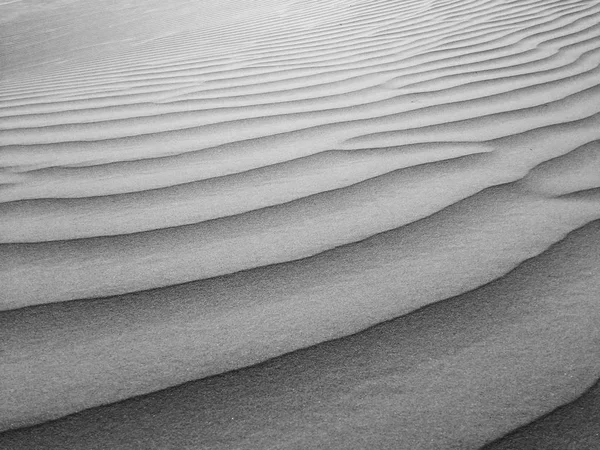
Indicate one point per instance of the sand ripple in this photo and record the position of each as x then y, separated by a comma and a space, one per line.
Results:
211, 185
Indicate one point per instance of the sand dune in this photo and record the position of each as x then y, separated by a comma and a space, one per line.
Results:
191, 188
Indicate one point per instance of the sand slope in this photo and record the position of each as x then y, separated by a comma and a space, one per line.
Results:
211, 185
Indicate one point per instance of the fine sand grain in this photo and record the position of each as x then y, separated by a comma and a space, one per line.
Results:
343, 224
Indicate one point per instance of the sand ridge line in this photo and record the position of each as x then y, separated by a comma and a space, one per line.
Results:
540, 147
118, 128
293, 183
459, 73
488, 65
187, 139
425, 361
461, 30
417, 264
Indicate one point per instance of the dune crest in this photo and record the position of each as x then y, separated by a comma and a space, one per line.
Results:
211, 185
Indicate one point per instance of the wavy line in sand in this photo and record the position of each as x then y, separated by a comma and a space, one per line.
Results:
348, 163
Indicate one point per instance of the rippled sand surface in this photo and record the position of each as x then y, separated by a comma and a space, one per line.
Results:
300, 224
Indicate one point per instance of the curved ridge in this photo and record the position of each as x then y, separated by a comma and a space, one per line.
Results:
214, 184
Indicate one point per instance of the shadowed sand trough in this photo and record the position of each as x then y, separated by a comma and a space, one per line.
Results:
390, 210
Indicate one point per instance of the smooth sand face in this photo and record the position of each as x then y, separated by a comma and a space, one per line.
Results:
193, 188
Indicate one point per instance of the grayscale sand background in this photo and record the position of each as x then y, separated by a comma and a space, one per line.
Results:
299, 224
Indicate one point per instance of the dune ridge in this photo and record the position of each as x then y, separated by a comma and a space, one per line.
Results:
213, 185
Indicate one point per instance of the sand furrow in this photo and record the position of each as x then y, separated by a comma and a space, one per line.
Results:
212, 199
458, 355
405, 255
190, 188
567, 67
160, 144
209, 199
483, 67
123, 127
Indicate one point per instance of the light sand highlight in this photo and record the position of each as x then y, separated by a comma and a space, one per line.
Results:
211, 185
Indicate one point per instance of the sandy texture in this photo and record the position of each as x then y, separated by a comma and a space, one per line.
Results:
192, 188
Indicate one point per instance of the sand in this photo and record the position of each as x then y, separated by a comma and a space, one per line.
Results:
342, 224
